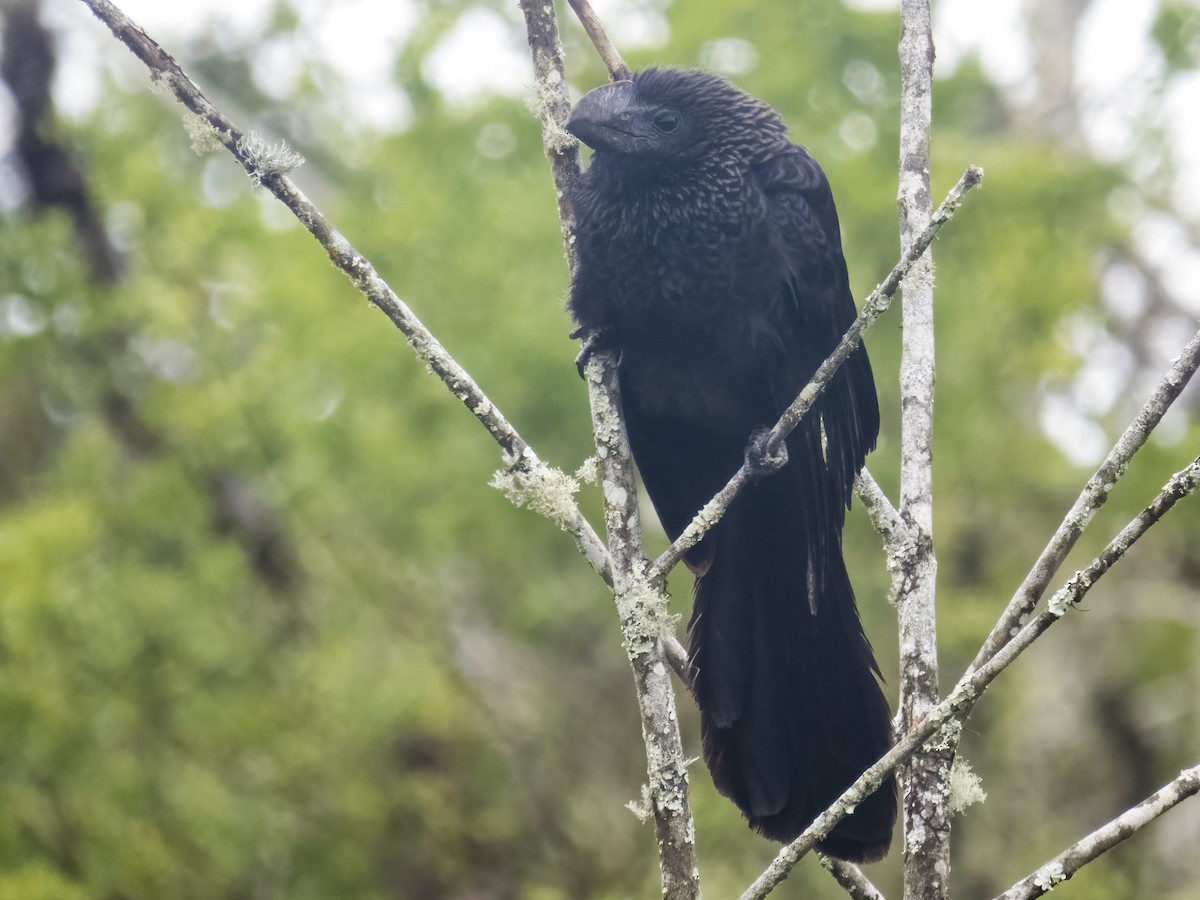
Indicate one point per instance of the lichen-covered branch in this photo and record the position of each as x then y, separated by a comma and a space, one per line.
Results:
901, 540
856, 885
646, 626
552, 105
265, 165
884, 516
925, 780
1103, 839
677, 656
645, 621
872, 308
1182, 484
1093, 496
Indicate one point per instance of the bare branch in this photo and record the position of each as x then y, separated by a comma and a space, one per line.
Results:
884, 516
519, 456
644, 622
1093, 496
641, 605
925, 779
677, 656
552, 106
873, 307
617, 70
1105, 838
856, 885
948, 714
901, 541
1181, 484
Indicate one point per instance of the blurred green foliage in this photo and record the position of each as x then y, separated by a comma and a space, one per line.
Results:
1177, 32
266, 632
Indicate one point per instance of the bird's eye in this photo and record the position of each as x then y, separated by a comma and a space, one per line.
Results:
666, 120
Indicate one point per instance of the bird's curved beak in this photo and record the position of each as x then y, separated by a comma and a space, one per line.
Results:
602, 118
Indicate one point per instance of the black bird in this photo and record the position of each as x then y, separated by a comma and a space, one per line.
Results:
710, 258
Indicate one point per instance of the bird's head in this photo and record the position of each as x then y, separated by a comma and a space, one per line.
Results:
671, 114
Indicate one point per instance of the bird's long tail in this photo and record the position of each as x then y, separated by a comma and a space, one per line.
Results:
791, 708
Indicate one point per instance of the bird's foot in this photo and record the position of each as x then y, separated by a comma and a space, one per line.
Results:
595, 340
761, 458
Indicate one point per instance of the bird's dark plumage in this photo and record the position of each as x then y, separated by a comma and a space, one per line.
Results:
710, 257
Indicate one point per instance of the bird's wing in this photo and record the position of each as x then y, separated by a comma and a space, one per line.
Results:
812, 310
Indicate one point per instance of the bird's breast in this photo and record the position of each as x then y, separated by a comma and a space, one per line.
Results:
697, 376
685, 273
666, 267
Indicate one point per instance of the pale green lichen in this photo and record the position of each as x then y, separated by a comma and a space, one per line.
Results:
162, 83
589, 471
965, 787
605, 417
264, 158
1049, 876
667, 791
205, 137
916, 835
1063, 598
709, 513
541, 99
641, 808
947, 737
644, 617
614, 494
544, 489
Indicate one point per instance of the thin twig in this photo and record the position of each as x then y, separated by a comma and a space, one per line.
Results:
520, 458
1103, 839
617, 70
1091, 498
677, 656
901, 540
948, 714
884, 516
856, 885
873, 307
1181, 484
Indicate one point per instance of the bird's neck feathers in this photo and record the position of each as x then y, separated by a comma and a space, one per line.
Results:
617, 174
724, 159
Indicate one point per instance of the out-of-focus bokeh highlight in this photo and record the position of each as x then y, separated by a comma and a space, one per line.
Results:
266, 632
